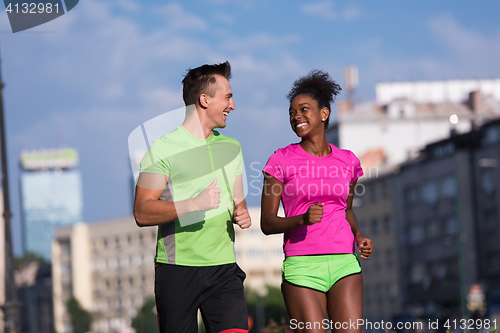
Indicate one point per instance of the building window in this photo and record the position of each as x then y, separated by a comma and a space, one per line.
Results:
385, 189
392, 291
359, 193
255, 253
380, 294
411, 195
441, 271
444, 150
490, 220
373, 192
488, 181
450, 225
433, 229
362, 225
430, 193
416, 234
390, 259
387, 223
491, 135
278, 252
494, 264
376, 260
105, 242
417, 272
449, 187
375, 226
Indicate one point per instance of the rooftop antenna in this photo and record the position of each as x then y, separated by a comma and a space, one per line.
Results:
351, 81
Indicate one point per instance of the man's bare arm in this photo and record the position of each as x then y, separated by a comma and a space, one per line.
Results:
150, 211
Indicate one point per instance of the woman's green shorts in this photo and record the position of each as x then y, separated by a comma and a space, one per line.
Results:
319, 272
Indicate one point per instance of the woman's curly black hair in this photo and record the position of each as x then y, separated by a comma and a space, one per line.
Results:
320, 86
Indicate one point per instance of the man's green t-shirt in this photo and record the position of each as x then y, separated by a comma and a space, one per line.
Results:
191, 164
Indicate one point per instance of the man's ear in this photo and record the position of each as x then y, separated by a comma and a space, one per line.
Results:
203, 99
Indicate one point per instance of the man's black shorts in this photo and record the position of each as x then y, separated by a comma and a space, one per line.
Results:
216, 290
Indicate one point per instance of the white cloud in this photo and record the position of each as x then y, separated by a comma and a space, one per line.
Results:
352, 13
465, 46
224, 18
461, 54
178, 19
321, 9
259, 41
128, 5
162, 99
245, 4
113, 74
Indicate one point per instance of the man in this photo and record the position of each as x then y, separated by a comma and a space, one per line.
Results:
191, 186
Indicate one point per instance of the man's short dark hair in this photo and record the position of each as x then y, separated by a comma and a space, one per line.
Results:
201, 80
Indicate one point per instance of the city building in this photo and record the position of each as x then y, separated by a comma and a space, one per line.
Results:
406, 116
486, 164
258, 255
34, 290
446, 91
447, 212
434, 221
51, 196
135, 161
374, 207
108, 267
2, 260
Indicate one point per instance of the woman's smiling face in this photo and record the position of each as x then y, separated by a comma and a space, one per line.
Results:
305, 117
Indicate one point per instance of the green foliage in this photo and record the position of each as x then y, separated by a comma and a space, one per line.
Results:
274, 307
146, 320
80, 318
493, 329
275, 313
27, 258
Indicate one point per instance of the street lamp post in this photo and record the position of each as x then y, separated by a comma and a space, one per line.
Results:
11, 307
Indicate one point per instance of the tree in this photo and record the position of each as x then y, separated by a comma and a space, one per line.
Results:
273, 307
26, 259
146, 320
80, 318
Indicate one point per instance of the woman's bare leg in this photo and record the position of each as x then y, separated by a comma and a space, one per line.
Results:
345, 304
306, 308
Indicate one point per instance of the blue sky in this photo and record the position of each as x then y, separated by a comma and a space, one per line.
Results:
88, 78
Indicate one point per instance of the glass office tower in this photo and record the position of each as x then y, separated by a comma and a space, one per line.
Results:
51, 196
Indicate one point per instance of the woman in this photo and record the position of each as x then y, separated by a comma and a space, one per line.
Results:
315, 181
